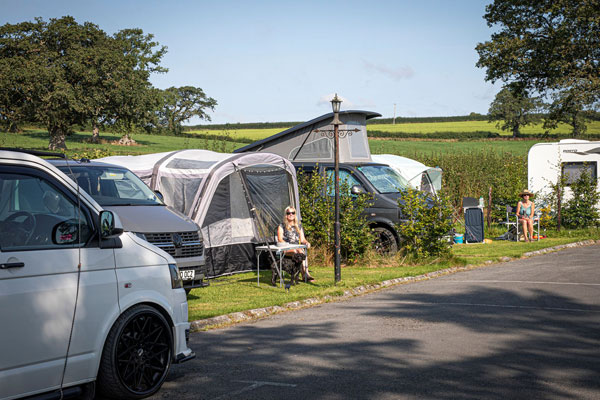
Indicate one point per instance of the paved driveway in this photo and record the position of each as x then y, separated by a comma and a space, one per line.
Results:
524, 329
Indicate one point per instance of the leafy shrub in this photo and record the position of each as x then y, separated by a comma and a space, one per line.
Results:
422, 235
318, 216
547, 217
580, 211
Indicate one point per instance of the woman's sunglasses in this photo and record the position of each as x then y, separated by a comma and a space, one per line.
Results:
290, 212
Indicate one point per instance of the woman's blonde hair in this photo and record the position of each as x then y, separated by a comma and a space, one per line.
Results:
286, 223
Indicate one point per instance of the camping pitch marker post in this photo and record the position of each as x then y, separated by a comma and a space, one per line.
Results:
336, 133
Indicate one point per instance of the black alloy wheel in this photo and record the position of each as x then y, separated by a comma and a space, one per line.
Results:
137, 355
385, 241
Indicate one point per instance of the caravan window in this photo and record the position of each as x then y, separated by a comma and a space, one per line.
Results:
573, 170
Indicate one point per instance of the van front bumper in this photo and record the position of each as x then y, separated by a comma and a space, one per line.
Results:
181, 329
182, 357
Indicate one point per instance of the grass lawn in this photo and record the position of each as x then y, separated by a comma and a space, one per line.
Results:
240, 292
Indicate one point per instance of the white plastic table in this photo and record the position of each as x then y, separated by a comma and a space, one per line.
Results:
279, 251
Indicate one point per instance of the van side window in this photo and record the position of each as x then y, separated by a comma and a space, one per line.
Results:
30, 209
573, 170
347, 180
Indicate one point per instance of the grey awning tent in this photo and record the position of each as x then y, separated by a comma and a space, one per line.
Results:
218, 191
302, 143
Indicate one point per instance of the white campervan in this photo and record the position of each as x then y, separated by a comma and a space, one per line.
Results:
81, 301
547, 162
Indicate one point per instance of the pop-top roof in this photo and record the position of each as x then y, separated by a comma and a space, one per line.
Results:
313, 140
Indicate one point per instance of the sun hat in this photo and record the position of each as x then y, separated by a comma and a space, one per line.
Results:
524, 192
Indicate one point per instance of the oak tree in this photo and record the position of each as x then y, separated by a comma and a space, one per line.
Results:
551, 47
61, 73
182, 103
513, 109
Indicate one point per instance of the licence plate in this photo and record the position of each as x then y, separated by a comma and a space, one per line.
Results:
187, 274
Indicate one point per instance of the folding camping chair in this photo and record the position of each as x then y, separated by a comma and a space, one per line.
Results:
513, 225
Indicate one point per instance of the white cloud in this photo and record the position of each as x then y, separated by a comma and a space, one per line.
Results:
397, 74
326, 100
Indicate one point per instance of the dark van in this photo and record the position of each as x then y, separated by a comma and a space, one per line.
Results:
382, 182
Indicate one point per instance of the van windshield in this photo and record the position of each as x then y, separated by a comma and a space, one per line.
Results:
112, 186
384, 178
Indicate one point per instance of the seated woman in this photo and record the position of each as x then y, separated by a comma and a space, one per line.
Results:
291, 232
525, 212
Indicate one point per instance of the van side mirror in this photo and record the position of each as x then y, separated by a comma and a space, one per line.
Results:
107, 225
357, 189
159, 195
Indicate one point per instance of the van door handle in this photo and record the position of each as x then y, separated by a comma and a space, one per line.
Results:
12, 265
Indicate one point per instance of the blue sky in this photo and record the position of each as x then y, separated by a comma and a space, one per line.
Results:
284, 60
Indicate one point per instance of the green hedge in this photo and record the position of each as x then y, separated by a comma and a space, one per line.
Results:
473, 135
471, 174
434, 135
405, 120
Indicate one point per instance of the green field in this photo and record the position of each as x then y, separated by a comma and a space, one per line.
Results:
411, 147
38, 139
473, 126
253, 134
415, 127
76, 143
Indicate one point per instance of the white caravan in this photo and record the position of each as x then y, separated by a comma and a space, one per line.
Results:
546, 162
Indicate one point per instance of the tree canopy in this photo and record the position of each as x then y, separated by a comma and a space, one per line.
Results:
181, 104
548, 46
515, 108
61, 73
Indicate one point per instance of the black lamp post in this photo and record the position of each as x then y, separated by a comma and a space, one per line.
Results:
336, 133
335, 105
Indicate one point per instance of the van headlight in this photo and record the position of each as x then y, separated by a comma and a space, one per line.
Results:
176, 281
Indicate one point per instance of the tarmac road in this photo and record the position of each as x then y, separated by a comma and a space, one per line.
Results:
523, 329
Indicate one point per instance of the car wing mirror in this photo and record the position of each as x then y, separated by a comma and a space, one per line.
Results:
107, 225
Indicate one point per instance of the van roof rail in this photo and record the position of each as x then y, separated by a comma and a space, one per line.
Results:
38, 153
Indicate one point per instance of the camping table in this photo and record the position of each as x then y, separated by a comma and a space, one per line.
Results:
279, 251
